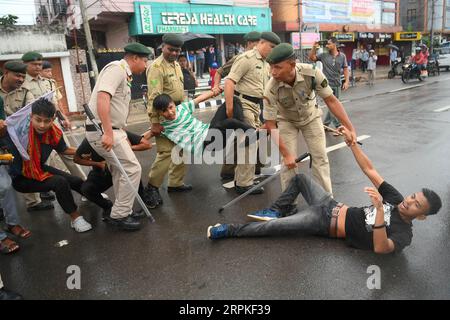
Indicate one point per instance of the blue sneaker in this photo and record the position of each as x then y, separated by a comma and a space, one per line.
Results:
218, 231
265, 214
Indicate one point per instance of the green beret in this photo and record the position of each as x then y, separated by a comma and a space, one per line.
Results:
173, 39
281, 52
16, 66
252, 36
137, 48
271, 37
32, 56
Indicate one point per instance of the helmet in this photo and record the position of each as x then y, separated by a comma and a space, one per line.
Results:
418, 48
214, 65
423, 45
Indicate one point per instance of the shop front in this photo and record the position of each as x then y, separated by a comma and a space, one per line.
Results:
377, 41
407, 41
226, 22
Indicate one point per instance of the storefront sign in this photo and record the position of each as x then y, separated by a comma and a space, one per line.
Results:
384, 35
218, 2
160, 17
343, 11
308, 39
344, 36
407, 36
312, 28
366, 35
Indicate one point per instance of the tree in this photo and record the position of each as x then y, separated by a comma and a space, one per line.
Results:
8, 20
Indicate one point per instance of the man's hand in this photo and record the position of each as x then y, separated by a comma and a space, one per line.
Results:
156, 129
289, 161
345, 85
349, 136
101, 165
107, 142
217, 90
375, 197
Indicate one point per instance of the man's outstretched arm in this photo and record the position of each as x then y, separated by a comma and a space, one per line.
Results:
361, 158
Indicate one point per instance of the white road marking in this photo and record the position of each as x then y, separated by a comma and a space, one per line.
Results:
442, 109
407, 88
230, 184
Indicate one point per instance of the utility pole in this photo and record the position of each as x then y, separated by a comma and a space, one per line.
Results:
300, 30
87, 31
432, 25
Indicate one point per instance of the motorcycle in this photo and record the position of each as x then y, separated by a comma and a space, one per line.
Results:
396, 69
411, 71
433, 66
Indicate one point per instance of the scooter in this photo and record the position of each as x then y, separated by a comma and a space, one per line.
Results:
396, 69
433, 66
411, 71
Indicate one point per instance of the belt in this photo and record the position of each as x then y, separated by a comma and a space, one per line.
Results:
334, 220
249, 98
91, 127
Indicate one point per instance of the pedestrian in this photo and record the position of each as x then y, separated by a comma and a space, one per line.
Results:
110, 104
6, 294
247, 80
333, 62
30, 176
212, 74
290, 105
392, 56
189, 80
383, 227
100, 178
364, 59
371, 67
15, 97
200, 60
165, 76
355, 58
191, 56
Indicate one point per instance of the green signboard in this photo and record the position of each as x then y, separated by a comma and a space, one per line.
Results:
159, 17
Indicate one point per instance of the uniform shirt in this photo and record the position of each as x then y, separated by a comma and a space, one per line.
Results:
164, 77
298, 103
359, 221
54, 86
250, 72
39, 86
185, 130
114, 79
15, 100
332, 66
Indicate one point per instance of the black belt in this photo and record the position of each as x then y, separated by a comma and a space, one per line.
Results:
249, 98
91, 127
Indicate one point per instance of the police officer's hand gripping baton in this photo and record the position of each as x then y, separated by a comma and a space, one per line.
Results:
91, 117
303, 156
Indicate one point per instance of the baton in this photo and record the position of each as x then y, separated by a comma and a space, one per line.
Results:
303, 156
91, 117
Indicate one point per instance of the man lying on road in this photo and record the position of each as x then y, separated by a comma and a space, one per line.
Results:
384, 227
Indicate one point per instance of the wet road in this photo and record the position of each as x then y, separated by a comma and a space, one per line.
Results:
173, 259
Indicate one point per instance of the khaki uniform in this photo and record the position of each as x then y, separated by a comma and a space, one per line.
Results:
39, 86
115, 79
165, 77
250, 72
14, 101
295, 110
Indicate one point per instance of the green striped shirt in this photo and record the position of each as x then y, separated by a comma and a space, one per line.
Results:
186, 131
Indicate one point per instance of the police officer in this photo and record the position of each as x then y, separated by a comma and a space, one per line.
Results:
15, 97
110, 104
251, 40
290, 103
247, 79
165, 76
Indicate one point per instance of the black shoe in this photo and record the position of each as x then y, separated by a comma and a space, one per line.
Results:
106, 214
50, 196
139, 214
44, 205
128, 223
182, 188
241, 190
152, 198
9, 295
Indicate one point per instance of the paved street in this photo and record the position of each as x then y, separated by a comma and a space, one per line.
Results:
173, 259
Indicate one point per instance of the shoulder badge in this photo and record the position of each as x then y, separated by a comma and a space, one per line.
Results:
324, 83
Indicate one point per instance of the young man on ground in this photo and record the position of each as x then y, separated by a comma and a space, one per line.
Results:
384, 227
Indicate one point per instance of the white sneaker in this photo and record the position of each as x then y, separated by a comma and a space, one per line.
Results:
80, 225
84, 199
105, 196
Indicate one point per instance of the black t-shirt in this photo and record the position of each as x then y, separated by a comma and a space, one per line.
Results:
16, 167
359, 221
85, 148
189, 81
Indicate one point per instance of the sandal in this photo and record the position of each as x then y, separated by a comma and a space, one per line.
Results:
8, 246
19, 231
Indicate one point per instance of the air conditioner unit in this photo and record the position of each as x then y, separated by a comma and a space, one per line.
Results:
60, 7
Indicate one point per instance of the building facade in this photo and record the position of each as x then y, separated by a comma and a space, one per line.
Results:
418, 15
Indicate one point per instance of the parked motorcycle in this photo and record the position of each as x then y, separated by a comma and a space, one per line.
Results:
433, 66
396, 69
411, 71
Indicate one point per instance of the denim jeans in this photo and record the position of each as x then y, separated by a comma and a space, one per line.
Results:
330, 119
314, 220
8, 201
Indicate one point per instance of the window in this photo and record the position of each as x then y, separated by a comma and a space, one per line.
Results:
411, 15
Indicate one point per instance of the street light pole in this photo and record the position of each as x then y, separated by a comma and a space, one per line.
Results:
300, 30
432, 25
90, 46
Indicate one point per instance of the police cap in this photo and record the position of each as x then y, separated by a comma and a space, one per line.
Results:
280, 53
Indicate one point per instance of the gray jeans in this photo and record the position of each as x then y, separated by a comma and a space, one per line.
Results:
330, 119
8, 201
314, 220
